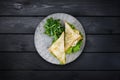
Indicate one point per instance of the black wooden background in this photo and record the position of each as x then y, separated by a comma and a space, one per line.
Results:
19, 59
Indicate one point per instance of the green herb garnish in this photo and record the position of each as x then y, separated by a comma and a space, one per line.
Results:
53, 28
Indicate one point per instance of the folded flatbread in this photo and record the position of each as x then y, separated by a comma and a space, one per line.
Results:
65, 41
57, 49
71, 36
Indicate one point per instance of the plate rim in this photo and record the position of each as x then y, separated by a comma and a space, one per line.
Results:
79, 51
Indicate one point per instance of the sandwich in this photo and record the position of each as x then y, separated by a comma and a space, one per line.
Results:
57, 49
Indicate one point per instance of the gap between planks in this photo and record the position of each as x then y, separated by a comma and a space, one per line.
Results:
47, 15
55, 70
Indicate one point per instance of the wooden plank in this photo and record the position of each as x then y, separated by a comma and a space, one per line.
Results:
16, 43
19, 24
45, 7
94, 43
60, 75
92, 25
85, 62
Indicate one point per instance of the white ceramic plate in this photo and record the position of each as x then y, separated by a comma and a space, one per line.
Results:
43, 42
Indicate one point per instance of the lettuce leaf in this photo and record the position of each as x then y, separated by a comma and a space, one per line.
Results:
75, 48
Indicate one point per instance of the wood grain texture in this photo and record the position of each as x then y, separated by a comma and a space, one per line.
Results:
85, 62
94, 43
60, 75
92, 25
16, 43
74, 7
